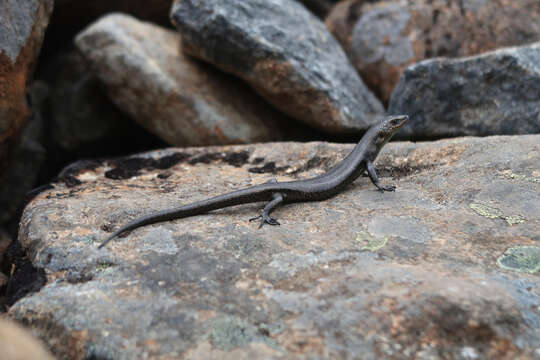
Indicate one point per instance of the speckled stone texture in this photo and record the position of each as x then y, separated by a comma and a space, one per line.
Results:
382, 38
22, 26
493, 93
285, 53
442, 268
178, 99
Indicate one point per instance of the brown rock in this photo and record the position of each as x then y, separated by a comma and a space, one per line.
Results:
16, 343
444, 268
182, 101
22, 26
383, 38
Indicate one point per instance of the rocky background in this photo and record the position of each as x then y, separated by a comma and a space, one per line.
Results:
107, 105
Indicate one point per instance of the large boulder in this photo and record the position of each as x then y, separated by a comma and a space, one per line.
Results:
285, 53
146, 74
22, 27
445, 267
383, 38
493, 93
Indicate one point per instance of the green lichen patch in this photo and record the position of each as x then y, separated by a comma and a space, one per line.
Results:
514, 219
521, 258
230, 332
491, 212
370, 242
508, 174
486, 211
104, 267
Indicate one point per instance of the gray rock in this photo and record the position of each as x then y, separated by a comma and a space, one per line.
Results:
383, 38
494, 93
181, 101
330, 282
285, 53
79, 113
22, 26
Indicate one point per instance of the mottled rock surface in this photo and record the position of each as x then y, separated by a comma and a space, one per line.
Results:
439, 269
178, 99
22, 26
493, 93
382, 38
285, 53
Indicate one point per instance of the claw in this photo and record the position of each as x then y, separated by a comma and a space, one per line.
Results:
265, 219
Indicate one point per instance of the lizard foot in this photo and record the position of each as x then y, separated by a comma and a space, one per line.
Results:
265, 219
387, 188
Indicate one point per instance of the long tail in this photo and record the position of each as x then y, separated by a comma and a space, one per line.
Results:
244, 196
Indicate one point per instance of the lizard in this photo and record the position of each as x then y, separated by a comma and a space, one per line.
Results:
318, 188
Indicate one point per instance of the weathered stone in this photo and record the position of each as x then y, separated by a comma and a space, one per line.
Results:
17, 343
383, 38
414, 273
285, 53
493, 93
180, 100
79, 112
22, 26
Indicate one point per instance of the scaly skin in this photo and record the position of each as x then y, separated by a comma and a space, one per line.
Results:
318, 188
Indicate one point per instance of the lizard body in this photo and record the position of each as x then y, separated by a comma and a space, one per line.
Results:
320, 187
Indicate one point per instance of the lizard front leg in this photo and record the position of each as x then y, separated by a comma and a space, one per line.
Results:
277, 198
375, 179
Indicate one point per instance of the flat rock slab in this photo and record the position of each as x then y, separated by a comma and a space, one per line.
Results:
182, 101
382, 38
22, 27
445, 267
493, 93
285, 53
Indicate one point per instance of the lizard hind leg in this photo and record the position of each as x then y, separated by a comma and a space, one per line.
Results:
277, 198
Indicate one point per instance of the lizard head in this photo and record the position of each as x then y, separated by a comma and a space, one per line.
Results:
387, 127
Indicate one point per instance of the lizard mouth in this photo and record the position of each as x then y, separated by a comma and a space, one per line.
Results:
398, 121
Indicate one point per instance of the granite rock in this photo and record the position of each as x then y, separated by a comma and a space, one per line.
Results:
493, 93
22, 27
430, 271
382, 38
285, 53
180, 100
